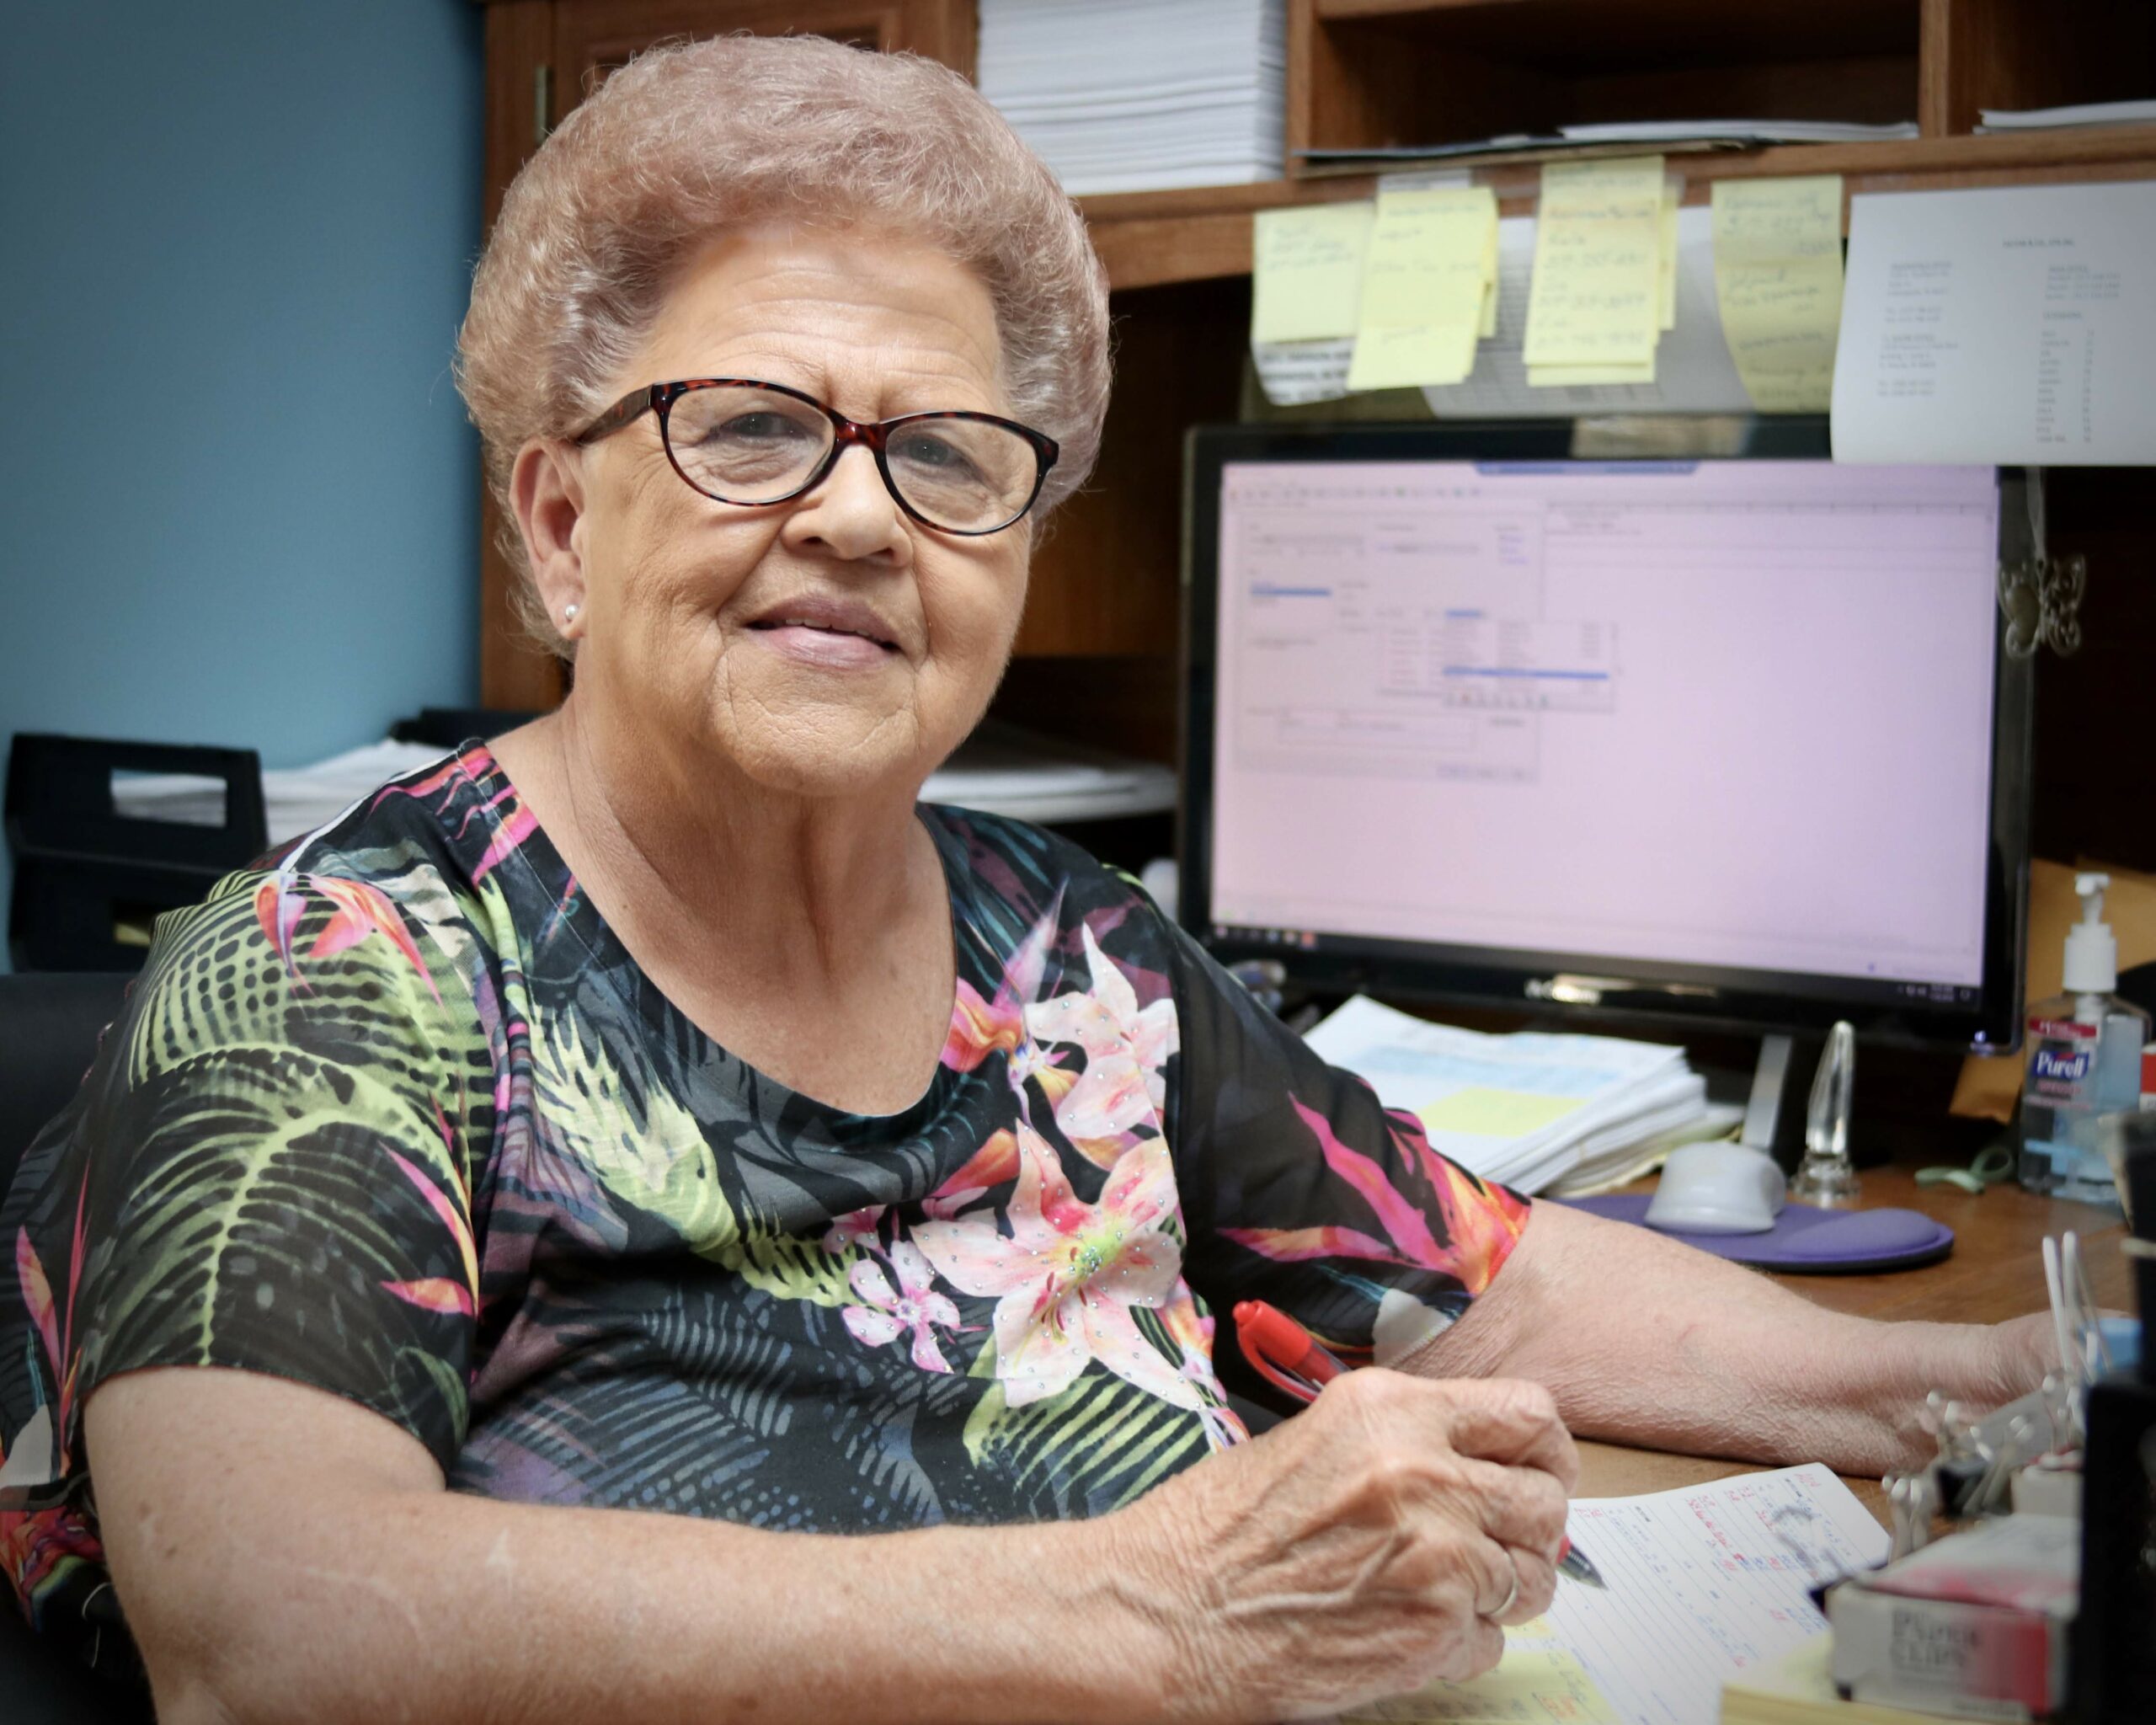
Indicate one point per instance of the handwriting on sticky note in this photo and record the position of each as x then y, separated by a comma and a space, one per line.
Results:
1308, 271
1426, 275
1596, 297
1778, 282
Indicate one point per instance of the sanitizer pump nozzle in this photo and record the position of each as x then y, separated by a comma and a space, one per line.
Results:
2092, 951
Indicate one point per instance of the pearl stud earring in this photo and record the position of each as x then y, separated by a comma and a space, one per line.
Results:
568, 613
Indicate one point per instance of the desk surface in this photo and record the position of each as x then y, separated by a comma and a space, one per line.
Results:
1995, 1271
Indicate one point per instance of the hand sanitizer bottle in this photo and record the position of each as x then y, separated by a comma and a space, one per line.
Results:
2083, 1062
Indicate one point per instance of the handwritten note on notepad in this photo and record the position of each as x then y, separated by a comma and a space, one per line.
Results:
1597, 299
1433, 257
1705, 1583
1307, 271
1778, 279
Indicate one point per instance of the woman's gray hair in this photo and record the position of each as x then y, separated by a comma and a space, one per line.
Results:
689, 139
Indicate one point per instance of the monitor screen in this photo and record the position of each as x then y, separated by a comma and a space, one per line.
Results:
1722, 734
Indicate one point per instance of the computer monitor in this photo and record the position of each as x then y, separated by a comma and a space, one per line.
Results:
1468, 719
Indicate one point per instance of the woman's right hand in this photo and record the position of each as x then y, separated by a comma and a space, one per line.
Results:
1358, 1551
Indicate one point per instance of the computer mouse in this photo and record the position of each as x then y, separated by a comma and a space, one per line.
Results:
1718, 1188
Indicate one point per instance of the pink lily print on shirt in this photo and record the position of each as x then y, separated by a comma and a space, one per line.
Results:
1068, 1275
915, 1308
1125, 1084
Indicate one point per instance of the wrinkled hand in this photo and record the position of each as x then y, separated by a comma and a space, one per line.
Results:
2023, 1349
1357, 1551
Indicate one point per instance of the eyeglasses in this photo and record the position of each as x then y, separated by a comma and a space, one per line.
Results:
740, 441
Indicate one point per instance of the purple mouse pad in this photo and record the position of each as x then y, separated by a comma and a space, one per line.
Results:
1805, 1240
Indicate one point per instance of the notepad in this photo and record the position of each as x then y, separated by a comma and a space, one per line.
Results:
1428, 276
1778, 279
1307, 271
1597, 299
1706, 1583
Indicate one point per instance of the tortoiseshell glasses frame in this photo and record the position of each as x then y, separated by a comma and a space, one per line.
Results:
661, 398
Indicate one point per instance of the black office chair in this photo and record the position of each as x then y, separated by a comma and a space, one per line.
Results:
49, 1026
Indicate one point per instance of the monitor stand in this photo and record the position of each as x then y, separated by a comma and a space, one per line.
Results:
1774, 1116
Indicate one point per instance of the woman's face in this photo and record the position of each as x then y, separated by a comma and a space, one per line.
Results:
825, 645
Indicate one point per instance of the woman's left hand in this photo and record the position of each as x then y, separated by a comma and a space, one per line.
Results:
2023, 1349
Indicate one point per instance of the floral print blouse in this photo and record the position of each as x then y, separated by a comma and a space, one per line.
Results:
399, 1117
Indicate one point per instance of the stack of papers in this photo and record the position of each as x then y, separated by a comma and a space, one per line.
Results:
2080, 114
1676, 135
1758, 131
295, 800
1003, 769
1130, 95
1529, 1110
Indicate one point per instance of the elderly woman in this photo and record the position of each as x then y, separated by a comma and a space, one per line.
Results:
660, 1111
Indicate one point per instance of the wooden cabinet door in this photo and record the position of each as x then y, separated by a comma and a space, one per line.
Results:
544, 58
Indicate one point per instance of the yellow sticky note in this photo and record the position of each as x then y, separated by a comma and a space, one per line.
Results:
1307, 271
1431, 253
1778, 281
1672, 194
1536, 1683
1488, 327
1492, 1113
1596, 299
1575, 376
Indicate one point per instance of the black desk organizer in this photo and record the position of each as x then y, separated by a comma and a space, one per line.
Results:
89, 881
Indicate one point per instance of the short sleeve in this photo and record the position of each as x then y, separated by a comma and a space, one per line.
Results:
1301, 1189
267, 1169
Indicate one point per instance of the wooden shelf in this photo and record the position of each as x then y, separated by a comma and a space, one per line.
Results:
1148, 239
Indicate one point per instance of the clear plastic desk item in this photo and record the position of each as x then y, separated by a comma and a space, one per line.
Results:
1826, 1177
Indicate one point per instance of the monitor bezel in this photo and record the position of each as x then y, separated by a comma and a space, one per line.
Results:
1706, 997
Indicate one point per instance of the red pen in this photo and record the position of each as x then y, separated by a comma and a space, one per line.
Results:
1290, 1359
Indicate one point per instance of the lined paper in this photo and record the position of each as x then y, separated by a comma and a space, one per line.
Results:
1778, 279
1704, 1582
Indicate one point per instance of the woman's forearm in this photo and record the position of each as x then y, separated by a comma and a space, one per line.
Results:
1644, 1341
269, 1587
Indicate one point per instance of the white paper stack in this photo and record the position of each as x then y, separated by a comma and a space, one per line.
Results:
295, 800
2080, 114
1529, 1110
1003, 769
1751, 131
1133, 95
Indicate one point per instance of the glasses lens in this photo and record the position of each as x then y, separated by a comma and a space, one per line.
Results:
968, 475
746, 446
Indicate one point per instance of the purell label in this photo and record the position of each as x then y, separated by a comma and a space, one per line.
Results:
2061, 1065
2062, 1058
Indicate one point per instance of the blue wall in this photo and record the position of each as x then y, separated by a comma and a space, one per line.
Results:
238, 497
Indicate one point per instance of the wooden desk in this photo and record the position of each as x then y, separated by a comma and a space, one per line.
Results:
1995, 1271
